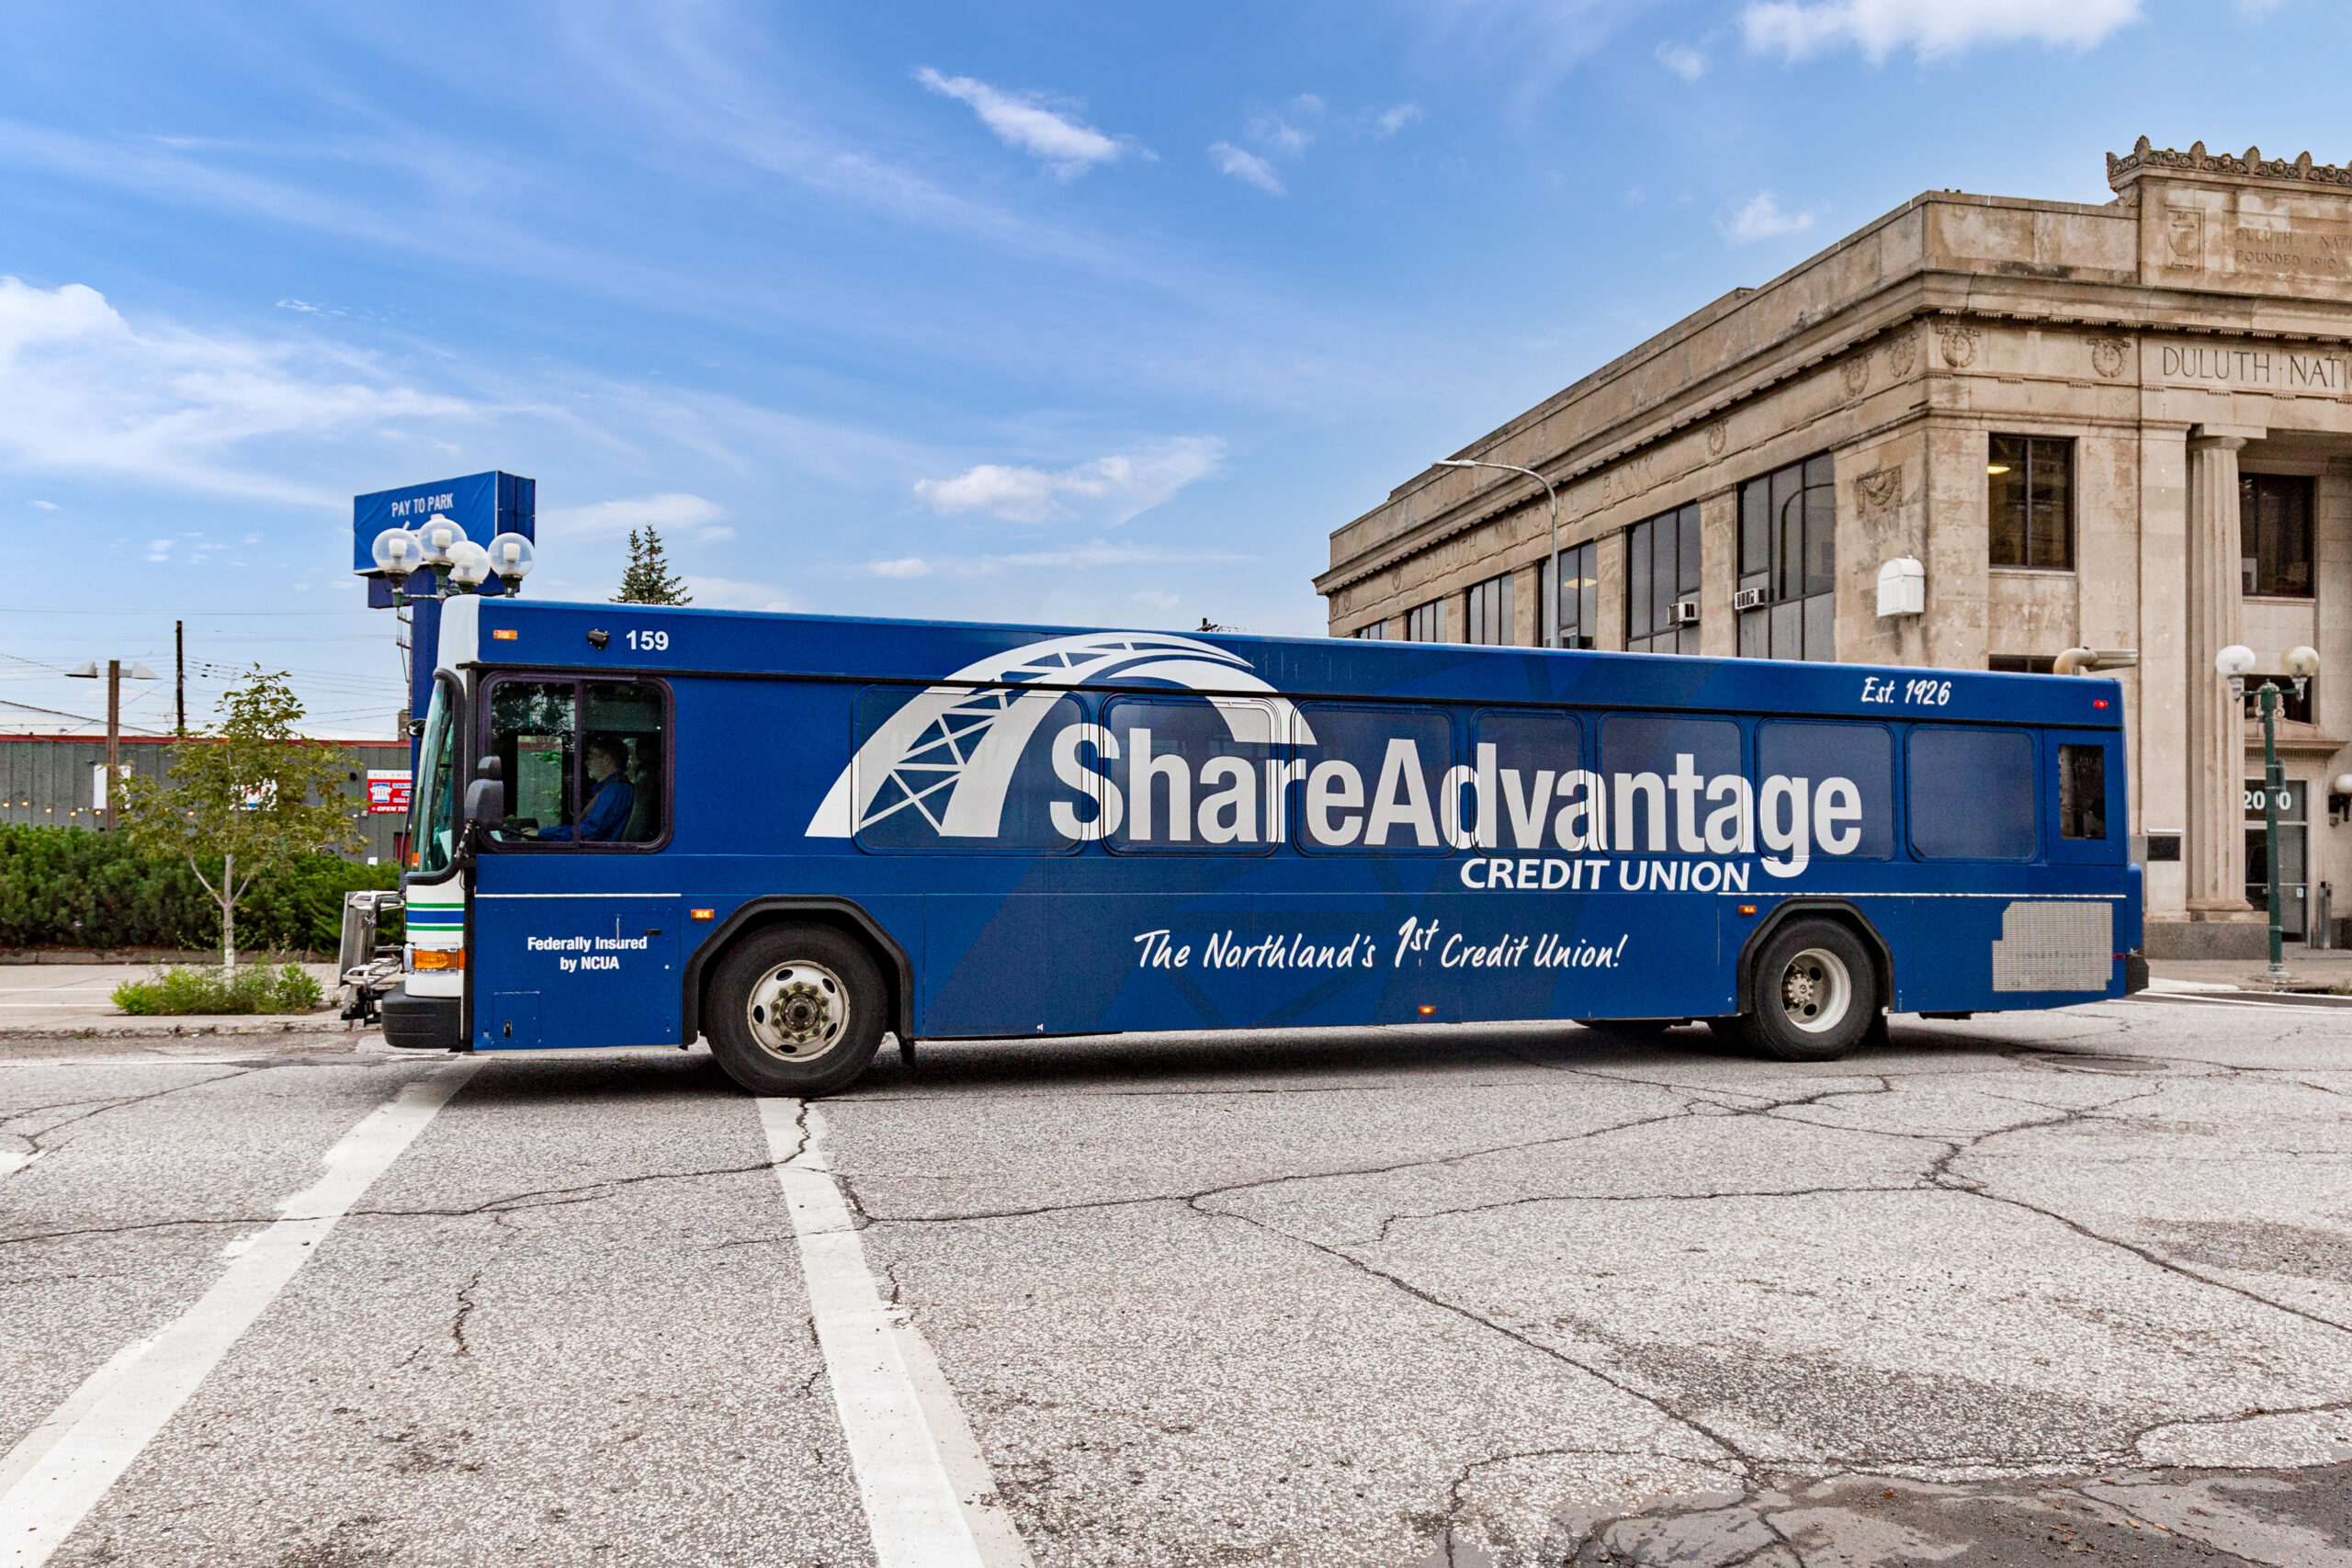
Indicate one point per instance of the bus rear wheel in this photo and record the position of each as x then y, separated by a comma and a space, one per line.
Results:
796, 1011
1813, 994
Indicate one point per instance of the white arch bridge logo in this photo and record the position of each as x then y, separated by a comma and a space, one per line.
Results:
949, 754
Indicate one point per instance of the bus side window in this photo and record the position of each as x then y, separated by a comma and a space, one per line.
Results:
1971, 794
531, 725
2082, 792
623, 721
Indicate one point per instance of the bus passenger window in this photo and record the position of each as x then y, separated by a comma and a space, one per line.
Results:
1971, 794
2082, 792
622, 762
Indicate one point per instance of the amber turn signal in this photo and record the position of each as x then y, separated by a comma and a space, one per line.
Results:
702, 914
1747, 908
504, 633
440, 958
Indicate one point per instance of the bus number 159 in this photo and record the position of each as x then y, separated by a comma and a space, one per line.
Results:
649, 642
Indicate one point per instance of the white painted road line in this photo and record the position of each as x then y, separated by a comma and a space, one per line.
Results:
50, 1481
929, 1499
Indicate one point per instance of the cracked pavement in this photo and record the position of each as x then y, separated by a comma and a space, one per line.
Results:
2014, 1290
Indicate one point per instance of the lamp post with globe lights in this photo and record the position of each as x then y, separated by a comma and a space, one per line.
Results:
2236, 662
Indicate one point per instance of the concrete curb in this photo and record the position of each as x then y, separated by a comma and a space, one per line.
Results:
182, 1028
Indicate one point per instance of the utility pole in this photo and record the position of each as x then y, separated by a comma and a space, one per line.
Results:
179, 676
114, 739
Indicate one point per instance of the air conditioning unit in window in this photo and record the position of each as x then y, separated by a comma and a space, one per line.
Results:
1685, 613
1576, 639
1748, 599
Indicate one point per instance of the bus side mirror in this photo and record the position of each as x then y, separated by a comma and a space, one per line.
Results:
486, 796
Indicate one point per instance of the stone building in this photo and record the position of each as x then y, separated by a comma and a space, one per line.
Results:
2120, 427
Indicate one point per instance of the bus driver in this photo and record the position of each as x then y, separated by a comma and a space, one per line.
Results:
613, 795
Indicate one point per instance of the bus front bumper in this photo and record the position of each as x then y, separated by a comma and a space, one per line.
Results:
423, 1024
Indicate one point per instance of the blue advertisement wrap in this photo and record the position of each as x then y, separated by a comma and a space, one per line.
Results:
1064, 831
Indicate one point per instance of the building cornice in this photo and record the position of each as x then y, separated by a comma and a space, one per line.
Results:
2144, 160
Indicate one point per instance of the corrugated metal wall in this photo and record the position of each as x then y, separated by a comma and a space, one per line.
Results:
48, 780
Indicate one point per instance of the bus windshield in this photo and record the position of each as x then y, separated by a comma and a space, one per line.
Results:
432, 810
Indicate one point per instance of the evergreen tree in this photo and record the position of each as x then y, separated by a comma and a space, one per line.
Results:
648, 580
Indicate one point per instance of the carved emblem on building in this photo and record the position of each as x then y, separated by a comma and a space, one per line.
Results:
1879, 490
1718, 437
1959, 344
1900, 349
2107, 356
2184, 237
1857, 371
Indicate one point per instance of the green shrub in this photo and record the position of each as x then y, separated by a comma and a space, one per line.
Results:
68, 888
257, 987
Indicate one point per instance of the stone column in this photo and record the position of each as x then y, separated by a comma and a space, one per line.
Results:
2216, 847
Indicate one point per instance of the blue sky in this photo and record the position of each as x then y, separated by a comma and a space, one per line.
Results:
1036, 310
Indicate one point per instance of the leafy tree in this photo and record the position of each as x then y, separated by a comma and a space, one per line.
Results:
648, 579
247, 798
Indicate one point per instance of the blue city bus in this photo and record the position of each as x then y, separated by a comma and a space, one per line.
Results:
792, 834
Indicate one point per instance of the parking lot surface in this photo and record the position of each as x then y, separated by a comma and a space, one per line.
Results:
2013, 1289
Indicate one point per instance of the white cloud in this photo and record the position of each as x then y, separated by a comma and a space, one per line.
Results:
1158, 601
83, 390
1797, 29
904, 567
1762, 219
44, 505
1274, 131
1021, 122
1116, 488
610, 519
732, 594
1248, 166
1683, 61
1392, 120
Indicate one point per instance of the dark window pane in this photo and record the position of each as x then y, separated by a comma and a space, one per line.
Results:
1589, 594
621, 764
1788, 630
2051, 486
1817, 471
2082, 792
2275, 525
1687, 577
531, 726
1663, 550
1971, 794
1755, 514
2005, 482
1752, 635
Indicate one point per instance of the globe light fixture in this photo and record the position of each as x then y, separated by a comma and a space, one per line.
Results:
469, 564
439, 536
397, 552
511, 557
2235, 661
2301, 662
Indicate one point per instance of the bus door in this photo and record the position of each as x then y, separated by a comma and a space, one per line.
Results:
576, 935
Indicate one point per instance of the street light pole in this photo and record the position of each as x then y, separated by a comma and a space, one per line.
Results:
114, 738
1554, 495
2272, 783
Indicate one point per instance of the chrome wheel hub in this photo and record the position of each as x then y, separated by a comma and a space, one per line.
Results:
1817, 991
797, 1010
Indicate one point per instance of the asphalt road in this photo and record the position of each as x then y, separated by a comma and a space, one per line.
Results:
2057, 1287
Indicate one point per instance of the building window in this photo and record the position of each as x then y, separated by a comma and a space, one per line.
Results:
2021, 663
1489, 612
1376, 631
1572, 616
1662, 583
2029, 486
1788, 563
1426, 623
2275, 531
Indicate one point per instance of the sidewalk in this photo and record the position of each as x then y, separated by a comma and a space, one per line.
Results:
72, 1001
2306, 970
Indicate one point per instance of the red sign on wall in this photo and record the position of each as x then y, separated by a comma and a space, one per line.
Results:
387, 792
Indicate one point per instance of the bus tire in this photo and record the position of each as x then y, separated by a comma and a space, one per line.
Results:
1813, 994
797, 1011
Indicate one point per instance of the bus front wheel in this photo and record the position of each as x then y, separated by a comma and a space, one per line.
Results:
1813, 994
796, 1011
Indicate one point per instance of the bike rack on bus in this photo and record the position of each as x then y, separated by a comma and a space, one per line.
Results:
368, 966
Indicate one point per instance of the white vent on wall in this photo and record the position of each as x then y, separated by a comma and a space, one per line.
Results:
1902, 588
1686, 613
